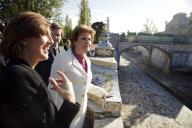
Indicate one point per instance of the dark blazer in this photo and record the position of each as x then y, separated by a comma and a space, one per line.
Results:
65, 47
2, 61
25, 101
44, 67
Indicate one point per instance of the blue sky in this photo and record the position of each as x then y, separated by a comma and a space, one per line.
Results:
129, 15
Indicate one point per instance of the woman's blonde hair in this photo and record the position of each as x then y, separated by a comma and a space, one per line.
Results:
81, 29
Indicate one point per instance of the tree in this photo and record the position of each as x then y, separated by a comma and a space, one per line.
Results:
57, 17
190, 18
123, 37
149, 27
189, 28
9, 8
131, 33
85, 13
67, 29
100, 29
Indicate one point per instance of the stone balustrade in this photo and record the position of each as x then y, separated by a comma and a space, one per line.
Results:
105, 75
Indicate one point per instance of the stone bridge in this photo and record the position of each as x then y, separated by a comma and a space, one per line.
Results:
167, 54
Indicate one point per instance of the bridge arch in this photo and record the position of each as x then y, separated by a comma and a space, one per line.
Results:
148, 47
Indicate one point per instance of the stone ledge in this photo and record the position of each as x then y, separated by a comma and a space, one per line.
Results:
113, 101
107, 62
109, 123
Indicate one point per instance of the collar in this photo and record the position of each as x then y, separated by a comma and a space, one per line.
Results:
12, 61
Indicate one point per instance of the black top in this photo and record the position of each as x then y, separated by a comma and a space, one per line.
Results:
44, 68
25, 101
65, 47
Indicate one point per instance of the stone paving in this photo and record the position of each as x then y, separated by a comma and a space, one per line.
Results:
145, 104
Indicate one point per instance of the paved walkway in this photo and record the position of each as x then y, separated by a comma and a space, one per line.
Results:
145, 103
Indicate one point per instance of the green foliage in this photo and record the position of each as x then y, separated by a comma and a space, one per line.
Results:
67, 29
131, 33
100, 29
144, 34
85, 13
123, 37
161, 34
9, 8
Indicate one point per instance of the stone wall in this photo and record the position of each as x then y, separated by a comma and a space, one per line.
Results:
155, 57
114, 39
160, 60
175, 61
143, 51
153, 39
160, 40
181, 61
105, 74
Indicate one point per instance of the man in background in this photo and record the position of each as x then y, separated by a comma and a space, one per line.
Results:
44, 67
57, 33
67, 45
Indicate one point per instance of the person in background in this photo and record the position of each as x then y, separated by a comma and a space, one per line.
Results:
57, 34
67, 45
77, 67
44, 67
24, 99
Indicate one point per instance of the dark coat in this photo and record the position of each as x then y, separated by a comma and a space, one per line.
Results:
65, 47
25, 101
2, 61
44, 68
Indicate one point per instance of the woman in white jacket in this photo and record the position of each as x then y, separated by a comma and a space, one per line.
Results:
77, 67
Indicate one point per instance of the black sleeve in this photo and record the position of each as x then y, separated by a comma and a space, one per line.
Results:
66, 114
24, 104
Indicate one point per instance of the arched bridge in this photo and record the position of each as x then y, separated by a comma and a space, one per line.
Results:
166, 56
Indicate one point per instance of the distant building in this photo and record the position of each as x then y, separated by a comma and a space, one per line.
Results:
178, 25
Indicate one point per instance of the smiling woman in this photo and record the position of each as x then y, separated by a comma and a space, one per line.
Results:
24, 99
38, 51
22, 35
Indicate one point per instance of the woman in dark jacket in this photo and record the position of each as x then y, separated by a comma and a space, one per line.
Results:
24, 99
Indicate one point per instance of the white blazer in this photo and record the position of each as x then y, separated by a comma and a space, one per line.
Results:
81, 80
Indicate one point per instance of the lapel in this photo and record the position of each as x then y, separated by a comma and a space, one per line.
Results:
51, 51
48, 103
38, 77
77, 65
